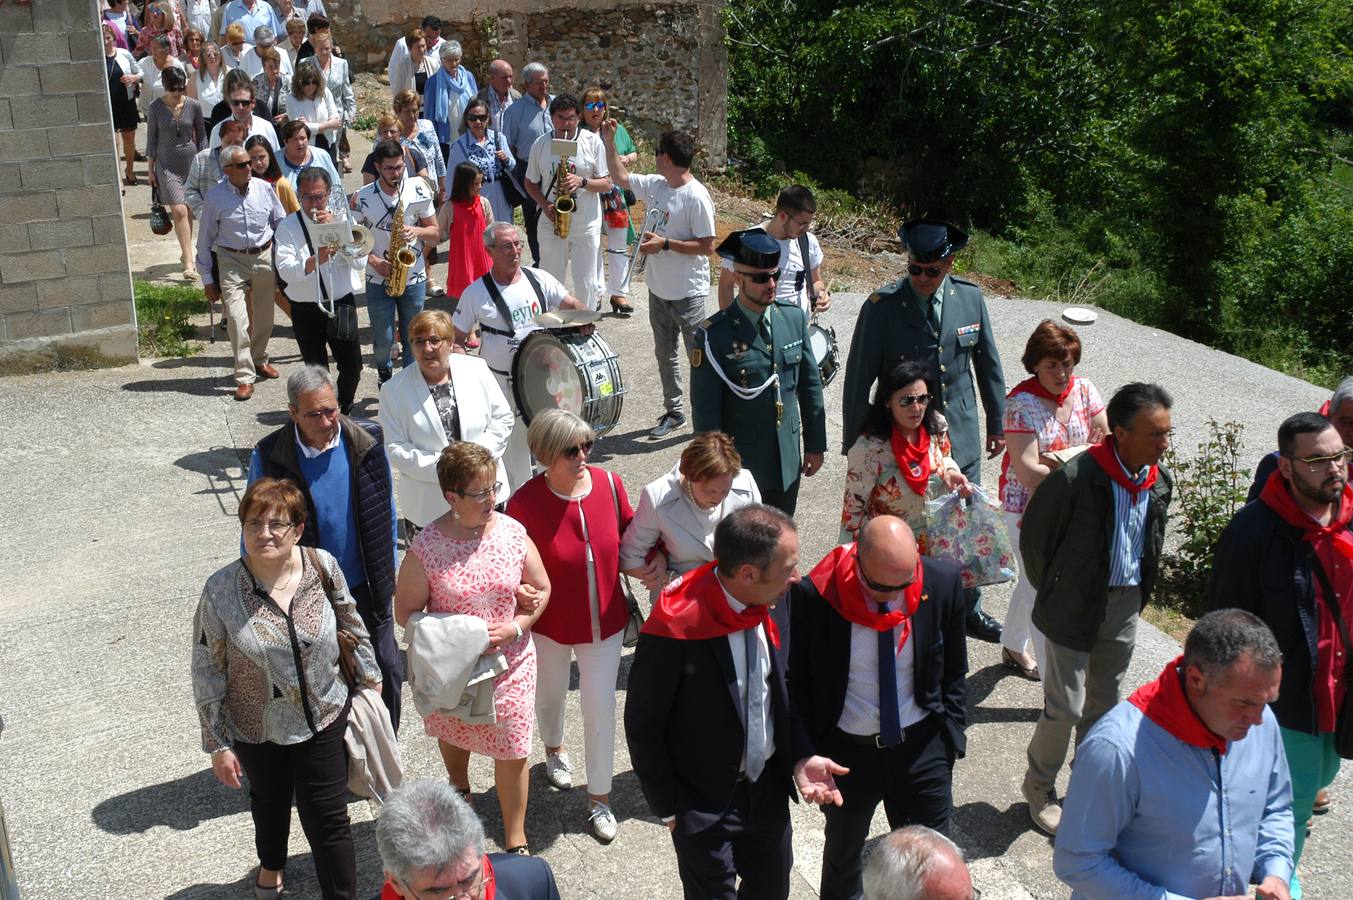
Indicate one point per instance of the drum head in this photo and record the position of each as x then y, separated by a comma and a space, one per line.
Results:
547, 377
819, 342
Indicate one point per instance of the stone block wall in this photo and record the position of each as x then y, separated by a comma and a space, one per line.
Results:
65, 282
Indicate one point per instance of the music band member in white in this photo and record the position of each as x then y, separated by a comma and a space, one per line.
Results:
375, 207
502, 304
317, 279
677, 238
800, 278
585, 177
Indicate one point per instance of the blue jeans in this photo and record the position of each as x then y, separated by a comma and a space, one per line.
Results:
382, 309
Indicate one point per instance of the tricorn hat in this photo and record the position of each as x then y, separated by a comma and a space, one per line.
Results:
751, 247
927, 240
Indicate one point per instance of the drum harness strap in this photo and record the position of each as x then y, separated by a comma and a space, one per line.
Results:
501, 305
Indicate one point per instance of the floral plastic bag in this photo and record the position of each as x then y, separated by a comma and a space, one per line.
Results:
971, 534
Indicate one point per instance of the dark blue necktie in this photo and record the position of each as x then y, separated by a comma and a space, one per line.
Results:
890, 727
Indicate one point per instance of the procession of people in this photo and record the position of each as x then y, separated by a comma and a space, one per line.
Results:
471, 510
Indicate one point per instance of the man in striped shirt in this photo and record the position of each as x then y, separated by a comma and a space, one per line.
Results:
1091, 539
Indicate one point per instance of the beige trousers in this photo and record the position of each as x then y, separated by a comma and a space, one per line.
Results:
249, 343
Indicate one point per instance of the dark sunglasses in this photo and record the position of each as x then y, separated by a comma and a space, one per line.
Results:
761, 277
594, 105
874, 585
241, 103
584, 447
912, 401
237, 165
483, 117
930, 271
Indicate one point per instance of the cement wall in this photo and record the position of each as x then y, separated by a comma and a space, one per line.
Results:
65, 284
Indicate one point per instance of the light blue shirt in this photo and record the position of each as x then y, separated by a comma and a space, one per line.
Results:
1149, 816
261, 14
236, 220
1129, 529
524, 122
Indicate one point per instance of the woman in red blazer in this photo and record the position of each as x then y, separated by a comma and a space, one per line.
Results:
575, 514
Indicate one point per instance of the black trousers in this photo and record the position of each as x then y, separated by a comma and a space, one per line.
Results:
914, 780
381, 626
530, 214
751, 841
784, 500
316, 773
309, 323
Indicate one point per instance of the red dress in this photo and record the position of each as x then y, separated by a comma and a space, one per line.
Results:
467, 259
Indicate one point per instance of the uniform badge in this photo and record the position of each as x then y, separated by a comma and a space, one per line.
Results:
696, 357
875, 297
969, 329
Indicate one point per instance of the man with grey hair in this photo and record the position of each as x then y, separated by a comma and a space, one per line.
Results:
523, 124
499, 93
916, 863
265, 37
432, 845
1183, 789
341, 468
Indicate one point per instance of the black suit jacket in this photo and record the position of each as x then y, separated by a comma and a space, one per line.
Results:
683, 722
519, 877
821, 651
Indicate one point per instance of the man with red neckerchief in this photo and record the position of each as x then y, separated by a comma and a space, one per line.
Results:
1288, 558
1091, 540
714, 742
878, 665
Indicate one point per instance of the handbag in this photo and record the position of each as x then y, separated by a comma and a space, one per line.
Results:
971, 534
1343, 722
347, 641
636, 619
160, 221
342, 325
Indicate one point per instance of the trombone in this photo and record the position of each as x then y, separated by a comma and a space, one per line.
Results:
639, 260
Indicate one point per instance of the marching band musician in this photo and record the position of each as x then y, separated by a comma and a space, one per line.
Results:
502, 304
752, 369
317, 279
801, 273
584, 178
375, 207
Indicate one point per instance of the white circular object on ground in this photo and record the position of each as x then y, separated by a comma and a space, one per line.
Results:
1079, 315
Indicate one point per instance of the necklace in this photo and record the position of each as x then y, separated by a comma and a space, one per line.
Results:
286, 576
690, 495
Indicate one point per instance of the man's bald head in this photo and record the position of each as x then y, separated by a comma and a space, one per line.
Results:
916, 863
888, 553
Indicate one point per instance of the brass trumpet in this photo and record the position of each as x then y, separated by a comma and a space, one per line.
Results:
637, 259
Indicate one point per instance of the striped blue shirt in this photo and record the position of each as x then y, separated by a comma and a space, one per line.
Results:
1129, 529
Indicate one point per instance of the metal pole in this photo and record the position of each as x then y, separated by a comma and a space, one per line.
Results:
9, 887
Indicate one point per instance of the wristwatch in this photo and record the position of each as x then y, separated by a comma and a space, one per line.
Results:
666, 244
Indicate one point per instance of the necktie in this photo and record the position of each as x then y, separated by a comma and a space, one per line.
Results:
763, 328
754, 706
934, 314
890, 727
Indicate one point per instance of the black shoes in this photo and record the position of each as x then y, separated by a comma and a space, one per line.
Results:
983, 627
667, 423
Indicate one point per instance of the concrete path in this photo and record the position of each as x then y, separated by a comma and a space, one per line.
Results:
119, 492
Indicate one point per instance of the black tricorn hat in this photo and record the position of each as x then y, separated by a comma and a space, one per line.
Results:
927, 240
751, 247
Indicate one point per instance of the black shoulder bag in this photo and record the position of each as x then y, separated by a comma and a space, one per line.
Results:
636, 619
341, 324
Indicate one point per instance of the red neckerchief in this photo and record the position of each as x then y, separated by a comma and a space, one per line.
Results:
913, 460
1163, 702
694, 608
490, 885
1278, 496
1325, 408
839, 584
1103, 453
1033, 386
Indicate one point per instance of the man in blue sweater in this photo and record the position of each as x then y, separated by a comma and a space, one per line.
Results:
340, 466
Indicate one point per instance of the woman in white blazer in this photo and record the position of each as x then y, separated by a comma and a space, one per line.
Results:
446, 396
677, 513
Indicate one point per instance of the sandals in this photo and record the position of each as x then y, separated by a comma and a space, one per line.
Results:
520, 850
267, 893
1011, 661
131, 181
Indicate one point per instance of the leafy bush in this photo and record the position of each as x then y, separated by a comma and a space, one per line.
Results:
162, 312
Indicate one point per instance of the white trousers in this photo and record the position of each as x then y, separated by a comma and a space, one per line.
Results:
1018, 631
517, 456
598, 669
582, 247
616, 250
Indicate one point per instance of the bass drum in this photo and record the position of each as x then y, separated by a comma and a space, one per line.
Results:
822, 341
561, 369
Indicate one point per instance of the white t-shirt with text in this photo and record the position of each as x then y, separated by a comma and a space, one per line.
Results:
476, 306
683, 214
376, 209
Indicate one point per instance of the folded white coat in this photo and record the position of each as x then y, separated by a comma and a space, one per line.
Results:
448, 671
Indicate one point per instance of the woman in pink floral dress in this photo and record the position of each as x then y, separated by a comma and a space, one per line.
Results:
901, 457
472, 561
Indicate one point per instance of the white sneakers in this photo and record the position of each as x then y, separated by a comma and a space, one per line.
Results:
559, 770
602, 822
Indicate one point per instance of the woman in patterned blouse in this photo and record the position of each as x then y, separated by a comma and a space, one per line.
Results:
902, 456
271, 698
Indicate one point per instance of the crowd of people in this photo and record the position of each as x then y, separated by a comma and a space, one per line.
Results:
750, 683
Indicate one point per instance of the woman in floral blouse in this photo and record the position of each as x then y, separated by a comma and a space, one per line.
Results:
271, 698
902, 456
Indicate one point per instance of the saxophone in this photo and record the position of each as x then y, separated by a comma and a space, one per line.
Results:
400, 256
564, 204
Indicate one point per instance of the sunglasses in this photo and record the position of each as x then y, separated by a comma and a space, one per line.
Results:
914, 399
594, 105
874, 585
585, 447
483, 117
237, 165
240, 104
929, 271
761, 277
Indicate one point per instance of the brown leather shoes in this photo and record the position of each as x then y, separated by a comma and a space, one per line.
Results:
267, 371
244, 392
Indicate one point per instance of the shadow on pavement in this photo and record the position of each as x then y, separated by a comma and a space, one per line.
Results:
981, 684
218, 462
990, 831
629, 443
181, 804
551, 814
209, 386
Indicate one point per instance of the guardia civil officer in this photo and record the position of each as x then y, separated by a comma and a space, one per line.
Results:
753, 373
942, 321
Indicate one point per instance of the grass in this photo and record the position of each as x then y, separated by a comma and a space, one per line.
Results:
162, 313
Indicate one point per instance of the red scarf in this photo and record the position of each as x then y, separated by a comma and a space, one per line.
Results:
913, 460
1163, 702
1333, 536
694, 608
1103, 453
1033, 386
388, 891
838, 582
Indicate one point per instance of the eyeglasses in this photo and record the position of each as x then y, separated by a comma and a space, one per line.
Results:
594, 105
480, 496
244, 164
467, 890
585, 447
276, 527
914, 399
326, 412
482, 117
315, 198
761, 277
1316, 463
929, 271
240, 104
874, 585
432, 341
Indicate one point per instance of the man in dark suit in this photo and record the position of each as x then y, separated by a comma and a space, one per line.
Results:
878, 667
429, 812
941, 321
712, 737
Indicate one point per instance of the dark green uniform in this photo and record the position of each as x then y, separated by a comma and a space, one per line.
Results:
770, 450
893, 326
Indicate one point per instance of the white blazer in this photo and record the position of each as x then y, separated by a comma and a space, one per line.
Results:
666, 514
414, 437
